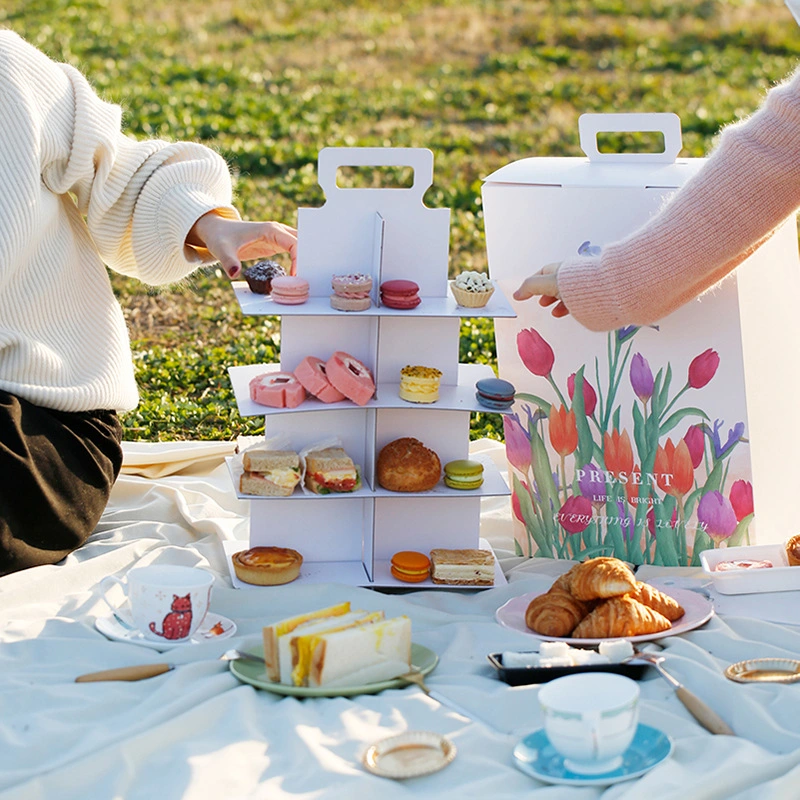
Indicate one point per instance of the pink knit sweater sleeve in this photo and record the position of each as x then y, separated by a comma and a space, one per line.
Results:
747, 188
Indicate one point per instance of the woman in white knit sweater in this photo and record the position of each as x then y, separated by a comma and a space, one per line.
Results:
76, 194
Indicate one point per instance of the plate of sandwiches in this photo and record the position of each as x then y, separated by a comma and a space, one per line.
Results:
336, 652
601, 599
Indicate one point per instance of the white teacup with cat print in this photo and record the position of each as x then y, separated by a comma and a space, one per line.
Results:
167, 603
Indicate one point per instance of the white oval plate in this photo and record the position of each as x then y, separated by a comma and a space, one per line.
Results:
698, 611
113, 629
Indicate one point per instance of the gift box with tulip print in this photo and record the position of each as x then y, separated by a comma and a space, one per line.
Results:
651, 444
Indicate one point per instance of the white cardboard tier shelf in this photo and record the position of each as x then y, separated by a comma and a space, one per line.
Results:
388, 234
352, 573
259, 305
452, 397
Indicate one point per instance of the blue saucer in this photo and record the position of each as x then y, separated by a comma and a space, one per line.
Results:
535, 756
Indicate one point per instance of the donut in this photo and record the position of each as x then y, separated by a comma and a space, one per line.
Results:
277, 390
311, 373
350, 377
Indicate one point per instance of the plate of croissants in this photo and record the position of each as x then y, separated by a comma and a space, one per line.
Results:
601, 599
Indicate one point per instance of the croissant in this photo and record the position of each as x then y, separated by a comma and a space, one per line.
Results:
658, 601
620, 616
601, 577
554, 613
562, 582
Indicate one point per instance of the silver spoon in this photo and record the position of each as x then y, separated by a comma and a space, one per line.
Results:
703, 713
142, 671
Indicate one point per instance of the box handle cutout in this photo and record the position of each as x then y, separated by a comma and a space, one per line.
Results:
332, 159
667, 124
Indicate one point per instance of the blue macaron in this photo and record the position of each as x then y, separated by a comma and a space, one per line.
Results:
495, 393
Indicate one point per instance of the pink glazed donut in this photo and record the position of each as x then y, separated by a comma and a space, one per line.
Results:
277, 390
311, 373
350, 377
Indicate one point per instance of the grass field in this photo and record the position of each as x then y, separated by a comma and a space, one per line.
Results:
479, 82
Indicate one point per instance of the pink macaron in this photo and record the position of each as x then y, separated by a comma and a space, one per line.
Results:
277, 390
311, 373
350, 377
398, 294
289, 290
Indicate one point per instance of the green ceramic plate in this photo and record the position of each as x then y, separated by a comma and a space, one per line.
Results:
255, 674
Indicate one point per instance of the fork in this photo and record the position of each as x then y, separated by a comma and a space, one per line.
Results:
703, 713
415, 676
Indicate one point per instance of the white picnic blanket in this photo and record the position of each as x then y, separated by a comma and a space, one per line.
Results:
198, 733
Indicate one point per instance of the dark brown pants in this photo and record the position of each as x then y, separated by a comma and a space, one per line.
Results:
56, 474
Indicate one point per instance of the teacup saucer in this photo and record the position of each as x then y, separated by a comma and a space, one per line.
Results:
535, 756
214, 628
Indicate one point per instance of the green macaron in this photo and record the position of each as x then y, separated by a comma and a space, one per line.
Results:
463, 474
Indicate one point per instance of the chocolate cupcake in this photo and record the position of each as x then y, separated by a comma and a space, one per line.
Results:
259, 276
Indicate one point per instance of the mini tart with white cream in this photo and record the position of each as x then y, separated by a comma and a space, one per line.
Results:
472, 289
419, 384
267, 566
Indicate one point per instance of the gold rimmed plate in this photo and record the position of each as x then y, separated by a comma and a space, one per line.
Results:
409, 755
764, 670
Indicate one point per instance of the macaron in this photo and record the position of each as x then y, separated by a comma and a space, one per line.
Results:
400, 294
410, 566
463, 474
351, 292
289, 290
494, 393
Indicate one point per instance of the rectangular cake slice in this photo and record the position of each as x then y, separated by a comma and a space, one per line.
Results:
462, 567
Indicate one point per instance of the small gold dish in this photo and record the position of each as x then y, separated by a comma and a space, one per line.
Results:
409, 755
765, 670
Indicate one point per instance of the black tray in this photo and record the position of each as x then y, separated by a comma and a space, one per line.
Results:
522, 676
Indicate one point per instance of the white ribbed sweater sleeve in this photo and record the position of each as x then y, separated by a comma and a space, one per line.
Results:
747, 188
78, 194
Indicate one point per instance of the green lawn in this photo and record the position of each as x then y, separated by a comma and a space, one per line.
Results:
479, 82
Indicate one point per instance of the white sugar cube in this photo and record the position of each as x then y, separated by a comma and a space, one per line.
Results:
555, 661
581, 657
549, 649
617, 650
513, 660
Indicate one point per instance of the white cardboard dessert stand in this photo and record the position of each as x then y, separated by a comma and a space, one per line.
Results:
388, 234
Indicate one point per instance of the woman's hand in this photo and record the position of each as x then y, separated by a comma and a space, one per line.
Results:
232, 241
544, 284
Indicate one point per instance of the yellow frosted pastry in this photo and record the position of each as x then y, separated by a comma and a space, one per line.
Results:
420, 384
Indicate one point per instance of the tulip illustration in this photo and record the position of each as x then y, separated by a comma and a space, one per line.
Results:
735, 435
589, 394
695, 441
575, 515
703, 368
618, 453
715, 513
518, 443
641, 378
741, 497
563, 430
535, 352
673, 468
623, 334
651, 520
516, 506
592, 484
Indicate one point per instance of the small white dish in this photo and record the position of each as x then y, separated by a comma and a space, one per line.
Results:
780, 577
535, 756
409, 755
120, 631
